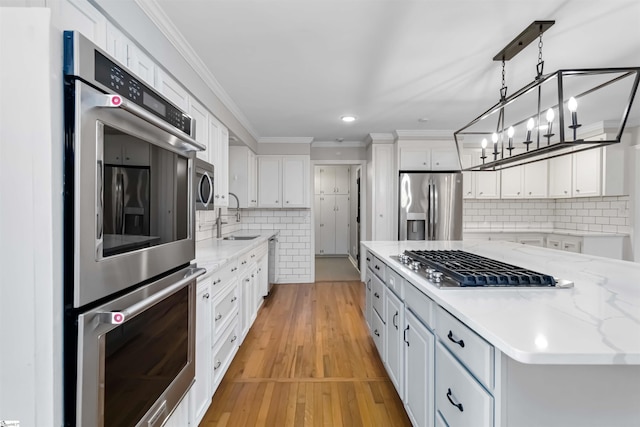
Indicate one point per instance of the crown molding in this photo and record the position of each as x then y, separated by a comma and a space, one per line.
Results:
286, 140
166, 26
336, 144
422, 135
380, 138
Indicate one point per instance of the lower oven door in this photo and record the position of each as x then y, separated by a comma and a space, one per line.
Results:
136, 354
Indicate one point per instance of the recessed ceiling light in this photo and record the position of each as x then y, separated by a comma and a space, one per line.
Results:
423, 119
339, 139
348, 119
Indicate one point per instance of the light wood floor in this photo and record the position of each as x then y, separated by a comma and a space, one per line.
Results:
308, 360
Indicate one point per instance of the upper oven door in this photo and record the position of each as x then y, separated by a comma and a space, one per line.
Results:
133, 209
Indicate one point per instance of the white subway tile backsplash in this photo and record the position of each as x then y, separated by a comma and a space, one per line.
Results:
610, 214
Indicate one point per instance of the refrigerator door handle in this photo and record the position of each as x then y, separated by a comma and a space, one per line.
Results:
434, 225
431, 211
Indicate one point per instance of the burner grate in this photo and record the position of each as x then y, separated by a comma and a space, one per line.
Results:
474, 270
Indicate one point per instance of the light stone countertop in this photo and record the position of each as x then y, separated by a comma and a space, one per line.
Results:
212, 254
561, 231
597, 322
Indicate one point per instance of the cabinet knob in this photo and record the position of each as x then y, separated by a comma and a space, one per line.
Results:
481, 193
518, 193
577, 190
565, 191
206, 296
530, 192
218, 317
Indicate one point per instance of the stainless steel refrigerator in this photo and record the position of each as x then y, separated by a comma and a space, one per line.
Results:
430, 206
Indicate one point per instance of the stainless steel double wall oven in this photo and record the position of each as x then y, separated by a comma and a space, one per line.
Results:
129, 242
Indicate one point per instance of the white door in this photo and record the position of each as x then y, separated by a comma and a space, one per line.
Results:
201, 390
328, 224
269, 182
318, 225
384, 182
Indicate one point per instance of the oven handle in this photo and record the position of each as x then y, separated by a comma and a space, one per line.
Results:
119, 317
117, 101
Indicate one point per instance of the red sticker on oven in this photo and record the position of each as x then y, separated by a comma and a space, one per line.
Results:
116, 100
118, 318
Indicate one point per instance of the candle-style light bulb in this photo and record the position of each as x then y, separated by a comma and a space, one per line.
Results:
510, 133
550, 116
484, 145
530, 124
572, 105
494, 139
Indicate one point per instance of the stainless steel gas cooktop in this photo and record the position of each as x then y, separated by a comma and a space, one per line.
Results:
460, 269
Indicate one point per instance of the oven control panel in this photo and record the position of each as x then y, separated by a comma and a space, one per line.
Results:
119, 81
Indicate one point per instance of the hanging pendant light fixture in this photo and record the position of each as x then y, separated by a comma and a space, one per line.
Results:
556, 114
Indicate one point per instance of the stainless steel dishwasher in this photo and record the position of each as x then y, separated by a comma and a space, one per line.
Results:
273, 263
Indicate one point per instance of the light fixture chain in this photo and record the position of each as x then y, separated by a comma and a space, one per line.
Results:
503, 89
540, 66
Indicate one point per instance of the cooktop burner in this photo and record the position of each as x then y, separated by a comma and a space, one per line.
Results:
455, 268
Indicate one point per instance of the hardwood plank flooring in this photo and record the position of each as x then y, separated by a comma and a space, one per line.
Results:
308, 360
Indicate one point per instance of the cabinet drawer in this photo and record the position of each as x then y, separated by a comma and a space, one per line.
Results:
459, 398
224, 351
395, 282
259, 252
554, 243
377, 295
420, 304
474, 352
244, 260
222, 275
378, 268
377, 332
225, 308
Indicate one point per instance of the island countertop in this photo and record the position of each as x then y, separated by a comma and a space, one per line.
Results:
597, 322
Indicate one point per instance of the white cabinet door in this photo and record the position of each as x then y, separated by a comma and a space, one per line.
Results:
242, 176
219, 157
415, 158
325, 179
80, 15
327, 225
512, 185
201, 390
180, 416
201, 117
560, 176
141, 64
419, 371
171, 89
317, 208
342, 174
445, 159
488, 185
341, 227
535, 177
295, 180
384, 183
468, 178
246, 298
587, 173
117, 44
269, 182
394, 329
368, 303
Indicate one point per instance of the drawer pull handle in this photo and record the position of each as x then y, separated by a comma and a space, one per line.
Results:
395, 316
218, 363
206, 296
376, 333
368, 259
405, 335
460, 343
235, 337
375, 294
234, 299
218, 317
369, 284
376, 267
457, 405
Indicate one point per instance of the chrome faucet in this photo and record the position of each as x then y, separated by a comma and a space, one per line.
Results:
219, 224
237, 206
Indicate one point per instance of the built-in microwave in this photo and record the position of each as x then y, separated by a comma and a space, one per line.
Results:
204, 185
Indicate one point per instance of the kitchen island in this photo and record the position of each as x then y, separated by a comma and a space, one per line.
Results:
511, 356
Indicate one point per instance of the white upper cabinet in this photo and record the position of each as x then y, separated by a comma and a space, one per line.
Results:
201, 117
428, 156
535, 176
587, 172
242, 176
80, 15
385, 179
219, 157
129, 55
560, 176
331, 179
283, 181
171, 89
468, 177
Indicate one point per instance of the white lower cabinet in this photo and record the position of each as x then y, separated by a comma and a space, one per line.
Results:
419, 371
459, 397
180, 415
224, 350
368, 309
201, 389
394, 324
377, 330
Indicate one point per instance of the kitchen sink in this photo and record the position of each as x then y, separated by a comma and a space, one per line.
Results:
239, 237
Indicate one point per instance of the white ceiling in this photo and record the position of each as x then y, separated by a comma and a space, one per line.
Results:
294, 67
